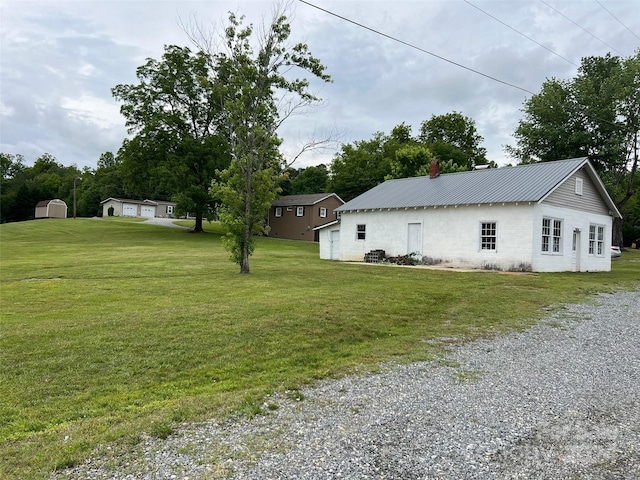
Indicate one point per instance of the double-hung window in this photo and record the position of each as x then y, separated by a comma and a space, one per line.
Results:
299, 211
361, 232
596, 240
278, 212
169, 209
488, 236
551, 235
323, 212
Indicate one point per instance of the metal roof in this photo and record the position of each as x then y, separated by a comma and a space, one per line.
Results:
309, 199
523, 183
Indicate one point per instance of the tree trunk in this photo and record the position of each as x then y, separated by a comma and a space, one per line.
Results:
244, 265
198, 226
616, 238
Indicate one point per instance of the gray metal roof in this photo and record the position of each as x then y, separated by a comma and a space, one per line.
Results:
301, 200
523, 183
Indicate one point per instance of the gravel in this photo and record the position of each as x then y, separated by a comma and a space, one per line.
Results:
560, 400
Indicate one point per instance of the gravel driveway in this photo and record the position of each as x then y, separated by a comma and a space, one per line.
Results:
559, 401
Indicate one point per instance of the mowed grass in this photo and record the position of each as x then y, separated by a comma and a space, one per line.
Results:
110, 329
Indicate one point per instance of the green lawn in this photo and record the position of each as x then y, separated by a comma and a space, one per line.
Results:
111, 328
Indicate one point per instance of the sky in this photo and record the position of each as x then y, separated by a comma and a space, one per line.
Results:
59, 60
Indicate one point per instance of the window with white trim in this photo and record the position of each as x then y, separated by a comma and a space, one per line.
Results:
596, 240
579, 185
551, 235
299, 211
278, 212
323, 212
488, 236
169, 209
361, 232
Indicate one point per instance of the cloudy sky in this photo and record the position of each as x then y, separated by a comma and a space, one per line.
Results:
60, 59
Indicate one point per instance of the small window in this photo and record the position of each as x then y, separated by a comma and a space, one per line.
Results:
579, 184
289, 209
488, 237
551, 235
361, 232
278, 212
299, 211
323, 212
170, 209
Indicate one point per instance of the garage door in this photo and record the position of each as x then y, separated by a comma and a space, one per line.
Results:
148, 211
129, 210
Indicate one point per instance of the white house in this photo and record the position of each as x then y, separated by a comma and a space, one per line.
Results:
543, 217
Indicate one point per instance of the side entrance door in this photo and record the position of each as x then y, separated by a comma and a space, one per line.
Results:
335, 244
575, 251
414, 239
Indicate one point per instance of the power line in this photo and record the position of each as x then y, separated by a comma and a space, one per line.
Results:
617, 19
581, 27
520, 33
417, 48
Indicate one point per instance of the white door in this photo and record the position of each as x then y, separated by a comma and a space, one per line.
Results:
129, 210
575, 251
148, 211
335, 245
414, 239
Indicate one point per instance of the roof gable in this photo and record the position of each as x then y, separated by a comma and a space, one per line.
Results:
523, 183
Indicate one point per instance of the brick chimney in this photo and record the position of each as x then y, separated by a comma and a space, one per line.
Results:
434, 169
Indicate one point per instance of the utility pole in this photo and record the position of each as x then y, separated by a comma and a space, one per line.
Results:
74, 195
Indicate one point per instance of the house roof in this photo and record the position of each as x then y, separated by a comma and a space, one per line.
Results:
44, 203
302, 200
138, 202
523, 183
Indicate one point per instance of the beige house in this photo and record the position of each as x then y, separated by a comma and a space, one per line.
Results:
55, 208
125, 207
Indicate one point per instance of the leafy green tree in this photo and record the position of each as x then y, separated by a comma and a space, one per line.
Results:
23, 187
309, 180
595, 114
175, 114
360, 166
453, 136
410, 161
251, 86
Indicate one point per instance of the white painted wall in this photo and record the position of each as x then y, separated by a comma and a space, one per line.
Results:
452, 235
324, 237
571, 220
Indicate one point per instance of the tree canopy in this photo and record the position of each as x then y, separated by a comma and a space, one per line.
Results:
451, 139
175, 116
596, 114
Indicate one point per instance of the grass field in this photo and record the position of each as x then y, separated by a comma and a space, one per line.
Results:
111, 328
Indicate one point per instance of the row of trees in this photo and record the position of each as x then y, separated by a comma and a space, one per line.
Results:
204, 125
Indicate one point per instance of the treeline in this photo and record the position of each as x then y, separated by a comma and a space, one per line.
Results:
356, 168
23, 187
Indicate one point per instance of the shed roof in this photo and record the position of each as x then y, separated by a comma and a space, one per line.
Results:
523, 183
302, 200
44, 203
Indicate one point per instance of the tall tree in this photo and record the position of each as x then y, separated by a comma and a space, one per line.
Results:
595, 114
254, 86
453, 136
312, 179
174, 114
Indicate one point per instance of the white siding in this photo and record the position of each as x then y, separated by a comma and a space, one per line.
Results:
571, 220
452, 236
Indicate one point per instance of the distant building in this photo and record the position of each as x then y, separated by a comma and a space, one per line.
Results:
124, 207
55, 208
296, 216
